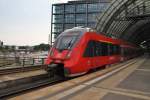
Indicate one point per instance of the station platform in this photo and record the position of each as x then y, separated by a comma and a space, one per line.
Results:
129, 82
132, 83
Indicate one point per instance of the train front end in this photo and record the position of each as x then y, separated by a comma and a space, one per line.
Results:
62, 56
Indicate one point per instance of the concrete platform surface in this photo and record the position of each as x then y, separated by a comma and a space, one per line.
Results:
112, 96
110, 89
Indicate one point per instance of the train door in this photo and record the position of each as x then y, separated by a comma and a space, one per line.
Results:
122, 54
89, 54
97, 54
95, 59
105, 53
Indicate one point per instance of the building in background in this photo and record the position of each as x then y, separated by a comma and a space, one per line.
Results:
75, 13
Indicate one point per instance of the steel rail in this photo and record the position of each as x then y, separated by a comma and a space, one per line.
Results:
14, 87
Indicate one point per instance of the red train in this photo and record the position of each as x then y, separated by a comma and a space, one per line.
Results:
78, 50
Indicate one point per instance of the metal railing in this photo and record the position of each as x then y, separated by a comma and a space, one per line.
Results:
20, 61
6, 61
32, 61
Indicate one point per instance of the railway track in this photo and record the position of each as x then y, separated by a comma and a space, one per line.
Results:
20, 69
17, 86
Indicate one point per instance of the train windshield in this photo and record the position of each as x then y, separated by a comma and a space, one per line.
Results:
65, 42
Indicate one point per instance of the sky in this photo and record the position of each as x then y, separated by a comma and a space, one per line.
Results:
25, 22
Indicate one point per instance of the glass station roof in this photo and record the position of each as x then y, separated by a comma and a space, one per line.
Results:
126, 19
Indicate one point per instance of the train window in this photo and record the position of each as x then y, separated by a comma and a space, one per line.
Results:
126, 51
110, 46
65, 42
116, 49
97, 48
89, 50
100, 49
104, 49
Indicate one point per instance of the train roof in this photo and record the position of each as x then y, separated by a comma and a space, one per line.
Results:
116, 41
76, 31
81, 29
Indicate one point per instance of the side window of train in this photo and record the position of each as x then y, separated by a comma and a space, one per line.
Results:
110, 46
117, 49
114, 49
97, 49
126, 51
104, 49
89, 50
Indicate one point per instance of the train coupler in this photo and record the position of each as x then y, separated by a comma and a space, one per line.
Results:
56, 70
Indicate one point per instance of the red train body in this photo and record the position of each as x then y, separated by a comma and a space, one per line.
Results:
78, 50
